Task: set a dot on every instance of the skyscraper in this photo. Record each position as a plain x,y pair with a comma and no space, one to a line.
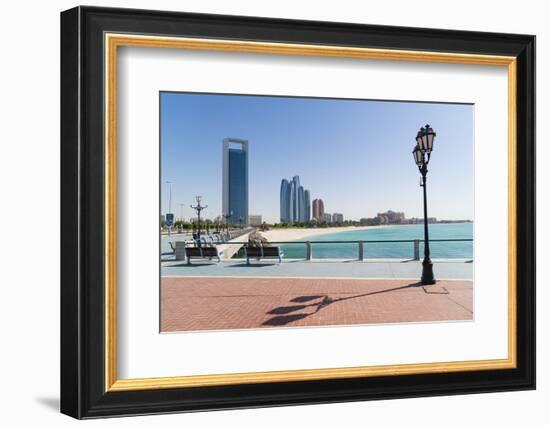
301,205
295,204
235,180
307,199
291,201
318,210
284,200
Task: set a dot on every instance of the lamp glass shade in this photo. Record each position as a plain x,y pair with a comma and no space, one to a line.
418,155
419,139
430,136
425,139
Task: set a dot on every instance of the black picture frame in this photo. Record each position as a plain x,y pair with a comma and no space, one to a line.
83,392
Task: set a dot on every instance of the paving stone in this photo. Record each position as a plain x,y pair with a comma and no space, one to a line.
208,303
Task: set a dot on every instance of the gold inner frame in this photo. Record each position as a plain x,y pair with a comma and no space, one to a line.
113,41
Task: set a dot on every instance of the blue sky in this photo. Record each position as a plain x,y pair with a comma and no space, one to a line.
353,154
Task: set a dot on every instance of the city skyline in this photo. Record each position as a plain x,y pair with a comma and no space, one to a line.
368,155
294,202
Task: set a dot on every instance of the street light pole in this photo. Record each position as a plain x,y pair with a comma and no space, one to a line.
427,265
199,208
422,153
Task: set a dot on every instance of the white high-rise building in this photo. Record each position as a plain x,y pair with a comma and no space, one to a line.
255,220
337,218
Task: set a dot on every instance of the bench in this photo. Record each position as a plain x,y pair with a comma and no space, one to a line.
260,252
203,252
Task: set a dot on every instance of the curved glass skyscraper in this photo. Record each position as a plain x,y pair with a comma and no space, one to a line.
284,198
301,205
307,202
295,203
291,201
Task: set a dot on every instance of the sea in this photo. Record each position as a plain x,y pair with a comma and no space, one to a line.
379,248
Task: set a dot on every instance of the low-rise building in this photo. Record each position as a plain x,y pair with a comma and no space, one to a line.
431,220
391,217
255,220
337,218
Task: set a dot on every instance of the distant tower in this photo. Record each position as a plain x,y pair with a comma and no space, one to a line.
284,200
301,205
307,202
235,180
291,201
296,203
318,210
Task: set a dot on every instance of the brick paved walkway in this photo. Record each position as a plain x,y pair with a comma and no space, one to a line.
207,303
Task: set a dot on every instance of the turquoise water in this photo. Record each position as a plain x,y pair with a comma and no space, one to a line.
389,250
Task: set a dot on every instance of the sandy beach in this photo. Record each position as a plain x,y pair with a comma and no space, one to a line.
293,234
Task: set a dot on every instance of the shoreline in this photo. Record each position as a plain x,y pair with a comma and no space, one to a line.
294,234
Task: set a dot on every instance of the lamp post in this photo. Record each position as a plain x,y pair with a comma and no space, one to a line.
198,208
422,153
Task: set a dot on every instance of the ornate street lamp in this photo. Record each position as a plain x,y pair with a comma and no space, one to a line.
198,208
422,153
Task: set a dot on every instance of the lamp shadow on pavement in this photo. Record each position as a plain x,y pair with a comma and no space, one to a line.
305,298
282,318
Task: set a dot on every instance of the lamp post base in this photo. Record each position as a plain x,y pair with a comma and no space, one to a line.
427,272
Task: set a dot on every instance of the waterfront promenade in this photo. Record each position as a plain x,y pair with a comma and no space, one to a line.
216,303
376,268
232,295
314,291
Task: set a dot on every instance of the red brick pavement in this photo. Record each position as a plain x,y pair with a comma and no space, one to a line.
207,303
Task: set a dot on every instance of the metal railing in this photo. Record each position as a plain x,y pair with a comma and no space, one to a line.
360,245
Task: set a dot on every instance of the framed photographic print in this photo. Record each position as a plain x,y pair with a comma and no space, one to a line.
261,212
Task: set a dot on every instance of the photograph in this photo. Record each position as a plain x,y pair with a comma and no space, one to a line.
283,212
